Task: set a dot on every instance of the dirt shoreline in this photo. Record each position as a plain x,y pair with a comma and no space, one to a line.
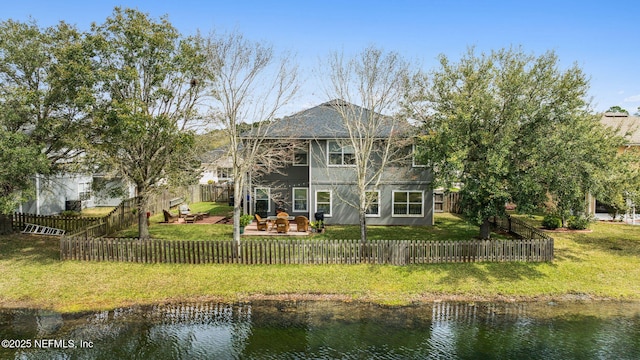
410,301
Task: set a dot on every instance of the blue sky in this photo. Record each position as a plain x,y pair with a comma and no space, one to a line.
601,37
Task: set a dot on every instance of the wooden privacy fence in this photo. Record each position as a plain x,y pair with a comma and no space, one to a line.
215,193
272,251
67,223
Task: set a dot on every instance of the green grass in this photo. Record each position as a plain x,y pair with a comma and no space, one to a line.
446,227
96,211
599,264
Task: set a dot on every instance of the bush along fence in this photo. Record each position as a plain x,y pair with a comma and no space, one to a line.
277,251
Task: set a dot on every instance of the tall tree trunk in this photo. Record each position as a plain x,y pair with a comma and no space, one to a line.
485,229
237,212
363,227
143,225
364,250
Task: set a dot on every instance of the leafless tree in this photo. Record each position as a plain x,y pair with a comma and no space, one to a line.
250,85
370,84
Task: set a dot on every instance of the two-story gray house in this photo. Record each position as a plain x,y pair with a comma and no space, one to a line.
320,176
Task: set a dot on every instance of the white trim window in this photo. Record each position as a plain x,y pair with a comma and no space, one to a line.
300,199
373,198
339,154
324,202
262,198
408,203
224,173
84,190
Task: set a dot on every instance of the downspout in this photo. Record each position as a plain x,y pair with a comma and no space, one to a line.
311,197
37,194
249,198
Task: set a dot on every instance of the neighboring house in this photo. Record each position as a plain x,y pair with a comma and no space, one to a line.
71,192
320,176
216,166
629,127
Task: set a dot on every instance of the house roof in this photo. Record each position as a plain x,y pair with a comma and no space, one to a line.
215,156
324,121
627,125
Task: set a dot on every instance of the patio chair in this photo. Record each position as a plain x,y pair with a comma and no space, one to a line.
303,223
261,223
190,218
168,218
184,210
282,225
283,215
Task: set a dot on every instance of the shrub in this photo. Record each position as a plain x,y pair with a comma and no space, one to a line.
245,220
551,222
578,222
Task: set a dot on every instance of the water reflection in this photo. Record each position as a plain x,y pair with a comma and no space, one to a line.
327,330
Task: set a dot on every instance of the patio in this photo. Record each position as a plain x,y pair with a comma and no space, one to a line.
252,230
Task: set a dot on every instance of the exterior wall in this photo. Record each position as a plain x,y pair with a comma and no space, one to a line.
344,214
53,193
281,187
211,171
340,182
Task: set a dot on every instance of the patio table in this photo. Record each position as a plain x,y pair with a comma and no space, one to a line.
272,220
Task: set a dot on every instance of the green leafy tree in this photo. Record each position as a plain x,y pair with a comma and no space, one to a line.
581,158
499,123
617,109
150,86
46,81
20,162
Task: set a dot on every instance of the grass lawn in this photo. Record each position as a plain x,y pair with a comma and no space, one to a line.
446,227
96,211
599,264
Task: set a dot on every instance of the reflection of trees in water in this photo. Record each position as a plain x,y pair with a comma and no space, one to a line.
183,331
317,329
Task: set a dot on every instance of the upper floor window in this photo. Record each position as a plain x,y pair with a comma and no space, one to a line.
300,158
339,154
225,173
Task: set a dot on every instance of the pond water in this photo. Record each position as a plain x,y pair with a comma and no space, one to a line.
328,330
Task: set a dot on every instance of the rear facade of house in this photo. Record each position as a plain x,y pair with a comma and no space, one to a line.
320,178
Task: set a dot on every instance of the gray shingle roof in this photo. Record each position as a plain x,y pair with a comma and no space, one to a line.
627,125
324,121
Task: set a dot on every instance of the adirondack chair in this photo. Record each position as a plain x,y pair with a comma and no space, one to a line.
303,223
282,225
168,218
261,223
